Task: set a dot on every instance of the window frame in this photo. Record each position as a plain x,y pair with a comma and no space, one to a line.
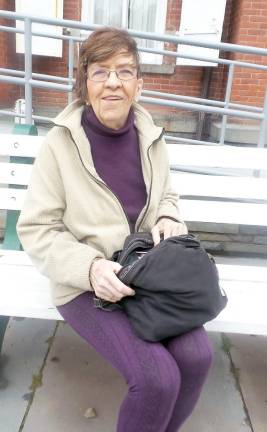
87,15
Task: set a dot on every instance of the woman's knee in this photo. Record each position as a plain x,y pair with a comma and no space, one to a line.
162,383
204,357
193,350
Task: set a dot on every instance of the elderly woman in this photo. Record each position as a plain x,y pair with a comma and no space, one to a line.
101,174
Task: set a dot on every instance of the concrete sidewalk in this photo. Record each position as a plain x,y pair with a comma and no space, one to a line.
50,378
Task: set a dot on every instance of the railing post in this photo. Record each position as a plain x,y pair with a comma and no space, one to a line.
263,130
227,101
70,71
3,325
28,69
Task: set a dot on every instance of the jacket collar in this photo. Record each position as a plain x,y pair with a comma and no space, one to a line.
70,118
145,125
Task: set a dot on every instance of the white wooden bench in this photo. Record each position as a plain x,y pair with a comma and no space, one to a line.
204,197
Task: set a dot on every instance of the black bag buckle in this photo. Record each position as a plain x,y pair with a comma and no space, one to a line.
98,303
105,305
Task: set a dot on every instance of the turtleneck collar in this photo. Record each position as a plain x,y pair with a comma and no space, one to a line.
92,121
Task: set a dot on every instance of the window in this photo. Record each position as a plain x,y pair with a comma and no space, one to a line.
41,45
206,23
140,15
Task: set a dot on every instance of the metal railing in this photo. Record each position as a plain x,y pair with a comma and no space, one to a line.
224,108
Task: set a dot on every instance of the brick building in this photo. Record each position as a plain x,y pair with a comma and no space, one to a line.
244,22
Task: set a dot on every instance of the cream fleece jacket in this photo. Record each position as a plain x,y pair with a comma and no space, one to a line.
70,216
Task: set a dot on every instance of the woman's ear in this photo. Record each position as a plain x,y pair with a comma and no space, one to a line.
139,89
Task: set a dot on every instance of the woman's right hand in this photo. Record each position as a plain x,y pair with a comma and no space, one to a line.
105,283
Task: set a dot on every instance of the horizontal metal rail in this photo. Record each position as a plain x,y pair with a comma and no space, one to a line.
144,92
200,100
222,46
35,117
221,61
36,83
148,50
35,75
203,108
161,102
189,141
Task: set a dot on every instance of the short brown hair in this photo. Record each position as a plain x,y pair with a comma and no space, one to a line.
100,46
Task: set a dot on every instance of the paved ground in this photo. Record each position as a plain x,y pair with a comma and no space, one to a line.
50,377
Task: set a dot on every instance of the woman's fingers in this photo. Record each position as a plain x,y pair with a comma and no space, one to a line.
105,282
156,234
120,287
182,229
167,231
167,228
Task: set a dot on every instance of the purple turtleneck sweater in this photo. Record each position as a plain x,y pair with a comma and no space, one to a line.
117,161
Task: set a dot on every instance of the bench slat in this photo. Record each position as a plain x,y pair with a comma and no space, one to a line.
32,299
227,272
246,308
217,156
192,210
11,199
224,212
14,173
185,184
245,312
20,145
220,186
14,257
179,154
242,273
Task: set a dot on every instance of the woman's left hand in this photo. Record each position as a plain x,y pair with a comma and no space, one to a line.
168,228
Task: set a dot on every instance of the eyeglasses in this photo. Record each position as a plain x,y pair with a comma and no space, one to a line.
102,74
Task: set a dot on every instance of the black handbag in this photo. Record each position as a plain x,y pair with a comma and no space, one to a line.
176,284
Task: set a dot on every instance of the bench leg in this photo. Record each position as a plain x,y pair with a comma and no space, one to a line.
3,325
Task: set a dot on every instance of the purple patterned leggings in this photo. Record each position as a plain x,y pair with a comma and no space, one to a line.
164,379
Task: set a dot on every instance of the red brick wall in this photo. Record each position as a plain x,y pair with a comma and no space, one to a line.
249,27
8,93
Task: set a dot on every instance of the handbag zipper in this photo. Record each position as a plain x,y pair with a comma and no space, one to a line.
124,272
136,242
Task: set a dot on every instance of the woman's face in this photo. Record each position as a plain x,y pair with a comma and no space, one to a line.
111,100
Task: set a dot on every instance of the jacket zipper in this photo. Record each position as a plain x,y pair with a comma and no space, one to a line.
96,180
150,188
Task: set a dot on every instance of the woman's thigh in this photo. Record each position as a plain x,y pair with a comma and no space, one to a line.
111,336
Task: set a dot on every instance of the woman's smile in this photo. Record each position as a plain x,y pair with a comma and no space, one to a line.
112,99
